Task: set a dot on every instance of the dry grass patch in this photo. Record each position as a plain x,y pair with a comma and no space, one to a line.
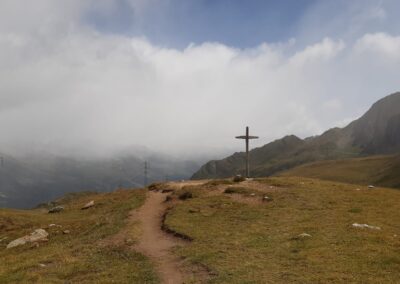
260,244
78,256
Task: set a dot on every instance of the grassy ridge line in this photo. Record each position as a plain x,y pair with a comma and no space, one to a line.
78,256
244,243
377,170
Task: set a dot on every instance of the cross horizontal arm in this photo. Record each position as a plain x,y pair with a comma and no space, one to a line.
246,137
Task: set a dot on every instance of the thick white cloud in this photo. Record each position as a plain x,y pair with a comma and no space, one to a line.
65,85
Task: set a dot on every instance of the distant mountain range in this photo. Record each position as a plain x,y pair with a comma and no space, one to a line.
28,180
376,132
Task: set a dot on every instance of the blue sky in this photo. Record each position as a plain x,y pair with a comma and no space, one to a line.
243,24
178,23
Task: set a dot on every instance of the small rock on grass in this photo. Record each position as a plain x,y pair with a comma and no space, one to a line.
304,235
54,225
56,209
88,205
66,232
363,226
266,198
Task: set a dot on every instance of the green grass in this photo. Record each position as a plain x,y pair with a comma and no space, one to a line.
377,170
244,243
77,257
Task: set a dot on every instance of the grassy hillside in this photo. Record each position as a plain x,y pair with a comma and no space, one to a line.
77,257
377,170
301,233
243,240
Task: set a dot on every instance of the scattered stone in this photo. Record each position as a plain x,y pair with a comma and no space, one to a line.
88,205
371,186
42,265
56,209
66,232
356,225
304,235
54,225
36,236
271,187
252,194
266,198
129,242
239,178
358,189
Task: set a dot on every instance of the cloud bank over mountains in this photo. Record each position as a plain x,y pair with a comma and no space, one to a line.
68,86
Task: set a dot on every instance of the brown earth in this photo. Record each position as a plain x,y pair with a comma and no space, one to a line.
157,244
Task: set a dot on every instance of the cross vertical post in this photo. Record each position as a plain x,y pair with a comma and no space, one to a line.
145,173
247,137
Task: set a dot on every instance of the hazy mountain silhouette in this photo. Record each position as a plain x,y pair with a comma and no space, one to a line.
31,179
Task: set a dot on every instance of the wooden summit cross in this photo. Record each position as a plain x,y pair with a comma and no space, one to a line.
247,137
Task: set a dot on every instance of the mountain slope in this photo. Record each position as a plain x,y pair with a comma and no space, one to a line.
376,170
376,132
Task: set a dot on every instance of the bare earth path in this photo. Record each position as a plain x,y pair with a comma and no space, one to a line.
155,243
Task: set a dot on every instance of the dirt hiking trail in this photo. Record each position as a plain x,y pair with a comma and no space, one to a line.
157,244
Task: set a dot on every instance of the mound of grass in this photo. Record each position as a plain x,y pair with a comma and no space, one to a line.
217,182
185,195
241,243
77,257
240,190
377,170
